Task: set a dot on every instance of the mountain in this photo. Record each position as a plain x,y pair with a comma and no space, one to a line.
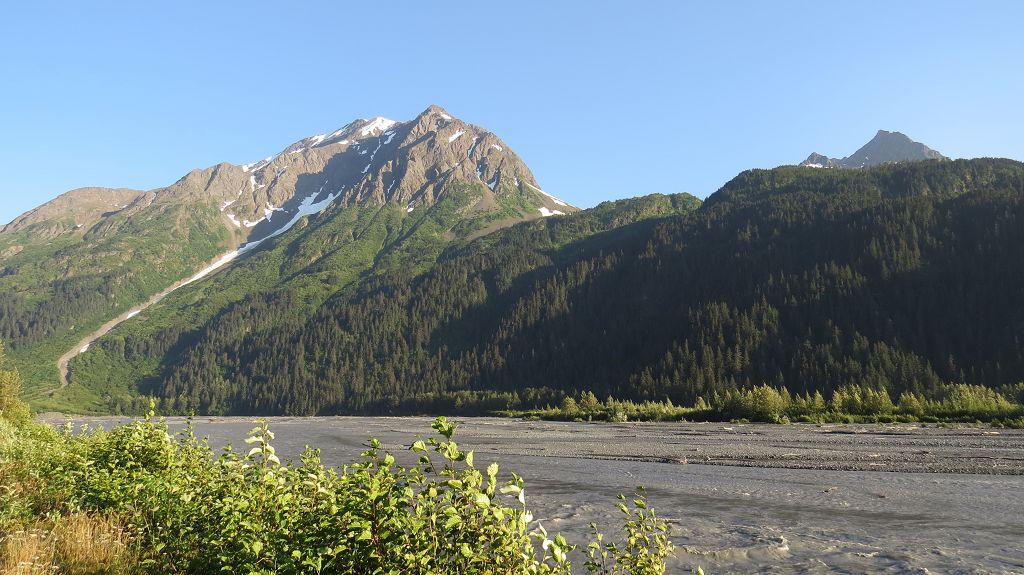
884,148
408,267
381,193
236,361
804,279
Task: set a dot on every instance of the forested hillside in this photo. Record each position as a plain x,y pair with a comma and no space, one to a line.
898,277
60,280
172,340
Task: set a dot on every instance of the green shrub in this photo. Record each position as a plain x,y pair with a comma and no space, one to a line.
252,513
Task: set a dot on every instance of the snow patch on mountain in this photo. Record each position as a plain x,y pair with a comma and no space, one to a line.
377,124
553,198
268,211
548,213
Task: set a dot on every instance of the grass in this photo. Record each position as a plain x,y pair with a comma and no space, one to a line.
76,544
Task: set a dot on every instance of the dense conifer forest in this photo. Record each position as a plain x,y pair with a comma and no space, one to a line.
898,278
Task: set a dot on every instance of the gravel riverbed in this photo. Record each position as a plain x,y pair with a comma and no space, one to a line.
741,498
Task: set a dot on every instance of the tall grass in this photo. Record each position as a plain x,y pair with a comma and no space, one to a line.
76,544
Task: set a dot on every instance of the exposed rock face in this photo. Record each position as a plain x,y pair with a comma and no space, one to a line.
383,161
816,160
885,147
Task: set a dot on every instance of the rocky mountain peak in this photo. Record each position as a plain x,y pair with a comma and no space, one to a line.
816,160
376,160
884,148
412,163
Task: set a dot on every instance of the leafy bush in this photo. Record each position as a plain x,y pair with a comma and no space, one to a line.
192,512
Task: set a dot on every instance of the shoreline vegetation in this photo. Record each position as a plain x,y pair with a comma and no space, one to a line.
960,403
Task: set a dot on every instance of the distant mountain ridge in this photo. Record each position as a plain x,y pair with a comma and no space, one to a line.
884,148
376,159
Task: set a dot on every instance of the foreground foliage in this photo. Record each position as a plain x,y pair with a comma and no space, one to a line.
164,503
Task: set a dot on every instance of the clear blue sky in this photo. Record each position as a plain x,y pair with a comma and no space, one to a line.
602,100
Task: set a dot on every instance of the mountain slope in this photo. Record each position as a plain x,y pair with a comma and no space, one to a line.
62,276
884,148
94,254
252,334
808,279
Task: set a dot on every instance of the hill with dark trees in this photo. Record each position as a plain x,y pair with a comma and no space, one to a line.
899,277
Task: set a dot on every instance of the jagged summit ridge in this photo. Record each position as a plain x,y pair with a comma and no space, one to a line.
378,160
884,148
375,160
